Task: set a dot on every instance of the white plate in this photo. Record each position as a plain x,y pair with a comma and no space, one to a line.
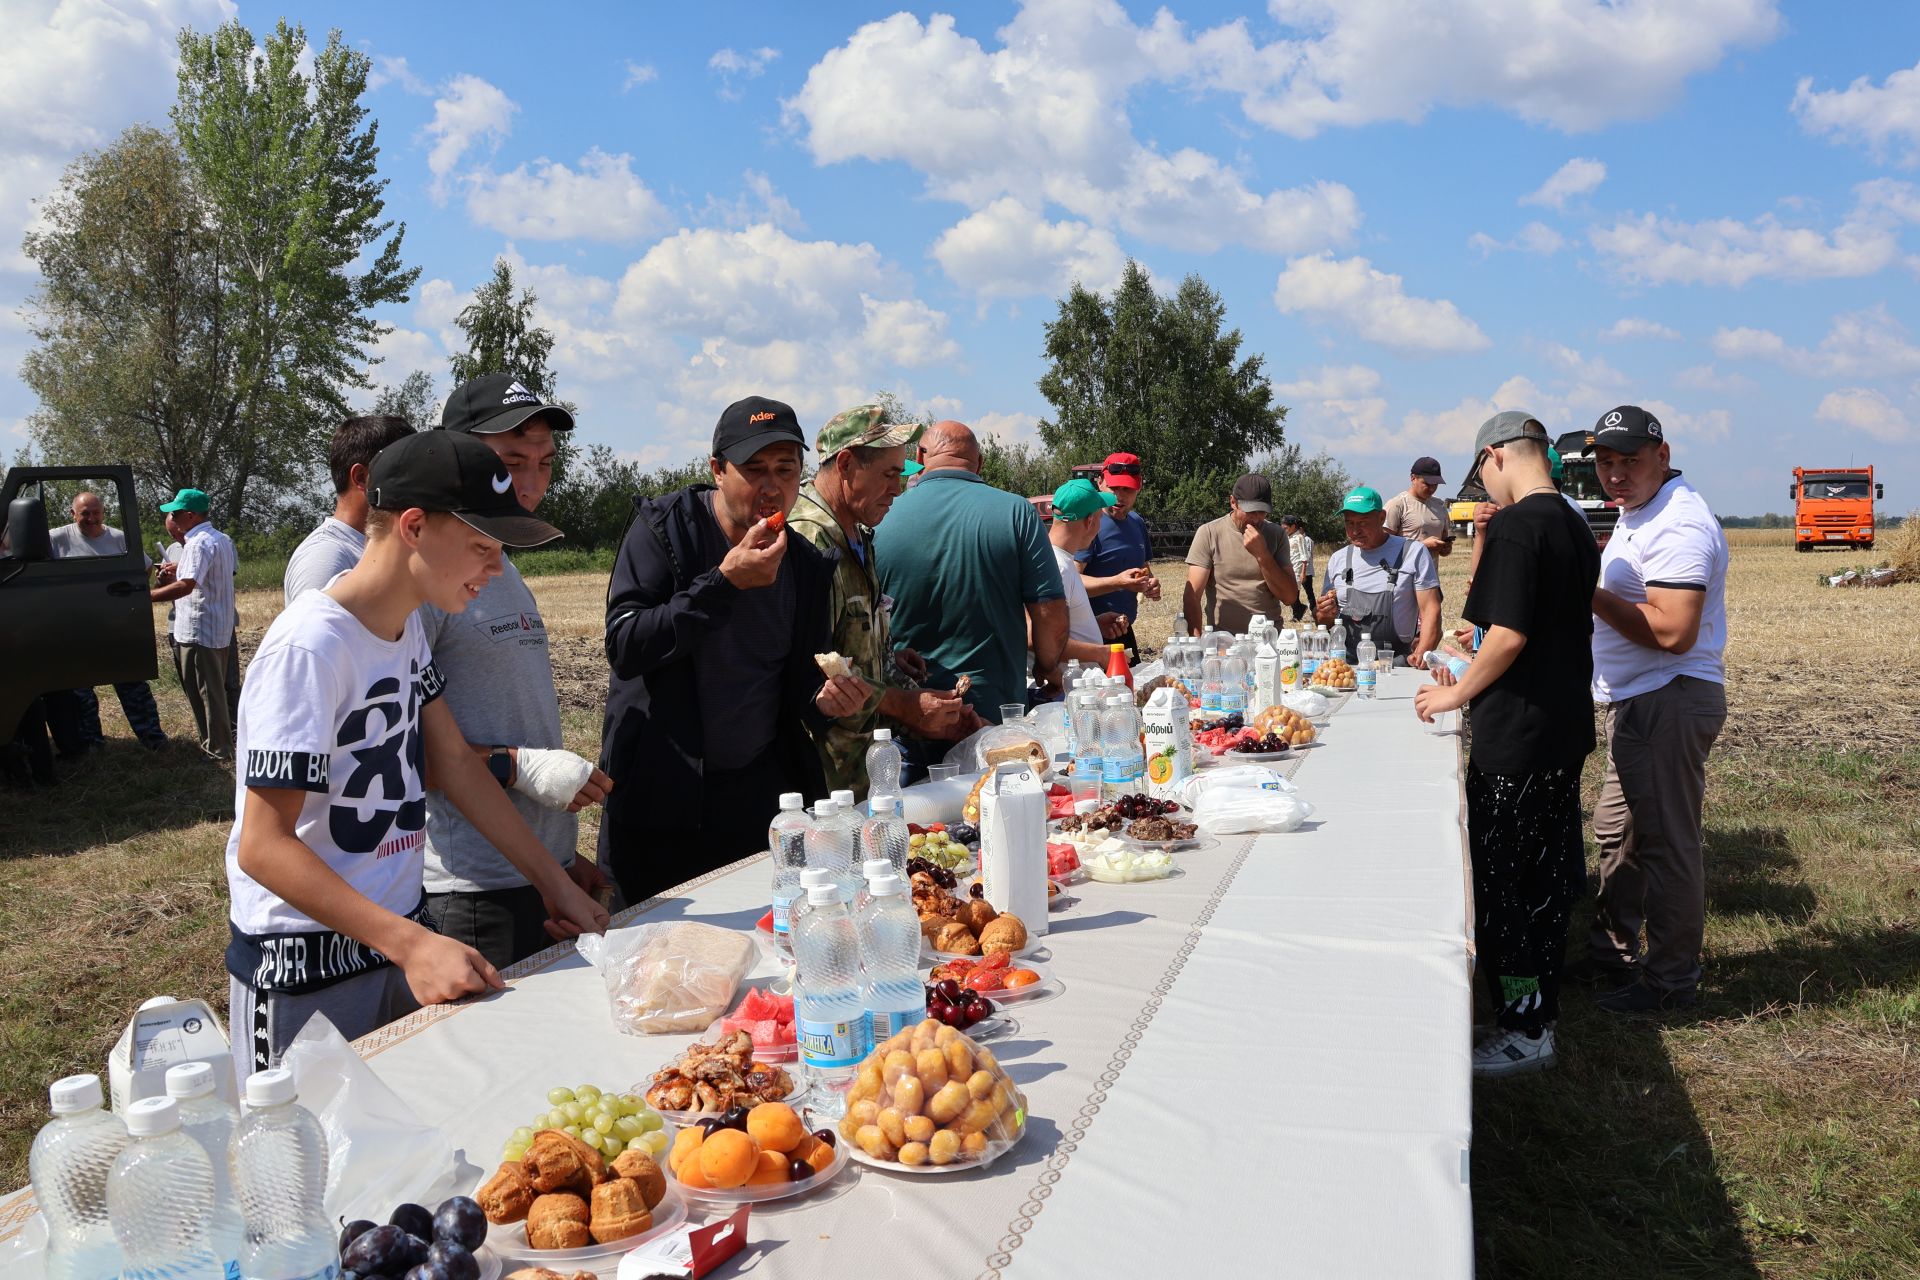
733,1197
994,1151
1004,996
1253,757
510,1241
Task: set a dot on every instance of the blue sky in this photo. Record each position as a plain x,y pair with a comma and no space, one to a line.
1419,213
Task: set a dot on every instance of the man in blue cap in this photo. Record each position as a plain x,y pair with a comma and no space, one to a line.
202,586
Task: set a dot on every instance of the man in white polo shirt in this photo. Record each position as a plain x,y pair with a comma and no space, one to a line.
1659,639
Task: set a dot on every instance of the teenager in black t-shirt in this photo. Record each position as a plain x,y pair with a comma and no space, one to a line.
1530,689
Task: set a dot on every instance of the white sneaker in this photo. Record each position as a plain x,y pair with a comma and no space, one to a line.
1513,1053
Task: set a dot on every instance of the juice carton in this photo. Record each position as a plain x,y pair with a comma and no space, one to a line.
1169,742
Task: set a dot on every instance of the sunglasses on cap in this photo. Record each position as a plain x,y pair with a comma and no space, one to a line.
1124,469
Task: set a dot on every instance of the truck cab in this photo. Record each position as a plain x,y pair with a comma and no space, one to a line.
1833,507
70,623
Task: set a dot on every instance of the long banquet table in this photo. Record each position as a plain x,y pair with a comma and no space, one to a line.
1260,1066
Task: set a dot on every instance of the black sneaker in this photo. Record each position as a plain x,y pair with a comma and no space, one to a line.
1589,971
1640,996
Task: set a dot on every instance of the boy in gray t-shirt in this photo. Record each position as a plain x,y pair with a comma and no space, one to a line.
508,710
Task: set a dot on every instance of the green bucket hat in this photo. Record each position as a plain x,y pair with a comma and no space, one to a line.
1078,499
1363,501
188,500
863,426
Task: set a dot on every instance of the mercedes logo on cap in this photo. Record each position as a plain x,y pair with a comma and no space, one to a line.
1613,419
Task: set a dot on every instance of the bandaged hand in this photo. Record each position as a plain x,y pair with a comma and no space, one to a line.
551,776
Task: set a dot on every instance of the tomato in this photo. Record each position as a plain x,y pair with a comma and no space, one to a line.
996,960
1018,978
777,521
936,826
983,980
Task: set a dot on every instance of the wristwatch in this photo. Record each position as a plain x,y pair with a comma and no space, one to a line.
500,765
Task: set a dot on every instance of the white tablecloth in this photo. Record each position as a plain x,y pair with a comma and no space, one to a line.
1257,1067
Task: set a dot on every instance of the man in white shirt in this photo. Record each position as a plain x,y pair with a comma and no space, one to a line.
1078,507
91,535
1659,639
202,588
337,542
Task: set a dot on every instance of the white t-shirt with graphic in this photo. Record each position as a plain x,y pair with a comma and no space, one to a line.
332,710
1673,541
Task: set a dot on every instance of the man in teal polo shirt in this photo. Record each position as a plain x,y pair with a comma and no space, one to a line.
967,568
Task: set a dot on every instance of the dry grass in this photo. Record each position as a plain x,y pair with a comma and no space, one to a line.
1774,1130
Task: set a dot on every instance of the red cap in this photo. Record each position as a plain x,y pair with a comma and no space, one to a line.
1122,479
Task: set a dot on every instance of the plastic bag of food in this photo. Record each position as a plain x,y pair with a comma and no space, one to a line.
1255,776
1308,703
928,1099
1234,810
676,976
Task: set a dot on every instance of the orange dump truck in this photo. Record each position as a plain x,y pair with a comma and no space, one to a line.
1833,507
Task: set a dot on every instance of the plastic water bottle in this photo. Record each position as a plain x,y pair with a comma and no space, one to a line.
68,1165
1210,681
870,871
160,1196
808,878
883,769
280,1178
1337,641
1121,759
1451,661
1087,767
890,951
830,847
883,837
787,847
1366,678
829,1006
1233,682
209,1120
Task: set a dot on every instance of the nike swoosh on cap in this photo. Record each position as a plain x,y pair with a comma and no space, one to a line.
503,484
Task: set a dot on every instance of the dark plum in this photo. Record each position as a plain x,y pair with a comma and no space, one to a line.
413,1219
428,1271
415,1250
353,1231
461,1222
379,1252
454,1259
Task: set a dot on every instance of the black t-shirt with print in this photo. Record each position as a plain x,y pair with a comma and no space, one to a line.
1536,576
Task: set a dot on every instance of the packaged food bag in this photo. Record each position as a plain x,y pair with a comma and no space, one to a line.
928,1098
672,976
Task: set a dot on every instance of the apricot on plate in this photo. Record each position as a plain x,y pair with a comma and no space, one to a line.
685,1142
690,1174
820,1157
769,1170
775,1127
727,1158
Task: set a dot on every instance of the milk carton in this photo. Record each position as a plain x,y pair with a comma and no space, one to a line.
1266,677
1013,844
1169,742
166,1032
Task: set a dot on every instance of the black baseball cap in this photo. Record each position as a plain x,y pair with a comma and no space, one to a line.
1627,429
1428,468
1253,493
452,472
748,426
495,402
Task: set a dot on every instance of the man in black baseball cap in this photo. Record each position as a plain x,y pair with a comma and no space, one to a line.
1238,565
714,617
1417,513
501,690
342,720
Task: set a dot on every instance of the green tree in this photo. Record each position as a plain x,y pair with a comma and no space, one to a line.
132,353
412,398
1156,376
1022,468
501,335
286,165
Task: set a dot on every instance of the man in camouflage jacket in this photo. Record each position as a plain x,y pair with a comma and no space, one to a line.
861,457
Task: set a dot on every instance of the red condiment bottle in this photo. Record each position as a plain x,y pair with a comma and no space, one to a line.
1117,663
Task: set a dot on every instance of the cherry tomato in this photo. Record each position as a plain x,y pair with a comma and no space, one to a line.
1018,978
777,521
936,826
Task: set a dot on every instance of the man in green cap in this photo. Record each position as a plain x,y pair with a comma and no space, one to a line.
1381,583
202,586
862,460
1078,506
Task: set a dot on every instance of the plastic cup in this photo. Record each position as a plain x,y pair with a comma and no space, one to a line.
1010,712
942,772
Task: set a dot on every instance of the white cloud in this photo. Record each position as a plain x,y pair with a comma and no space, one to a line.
908,331
1043,120
1885,117
1332,382
1372,303
601,200
1009,250
732,65
1535,237
1704,377
1859,344
1632,328
1868,411
1007,428
1576,177
1726,251
638,74
1572,64
390,70
469,111
758,202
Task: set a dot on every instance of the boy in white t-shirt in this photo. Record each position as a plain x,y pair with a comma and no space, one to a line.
1078,508
339,727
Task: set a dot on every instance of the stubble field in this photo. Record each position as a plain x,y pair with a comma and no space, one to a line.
1773,1130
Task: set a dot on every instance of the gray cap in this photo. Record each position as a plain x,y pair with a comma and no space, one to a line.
1509,425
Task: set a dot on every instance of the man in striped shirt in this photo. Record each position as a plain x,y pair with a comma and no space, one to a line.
202,589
